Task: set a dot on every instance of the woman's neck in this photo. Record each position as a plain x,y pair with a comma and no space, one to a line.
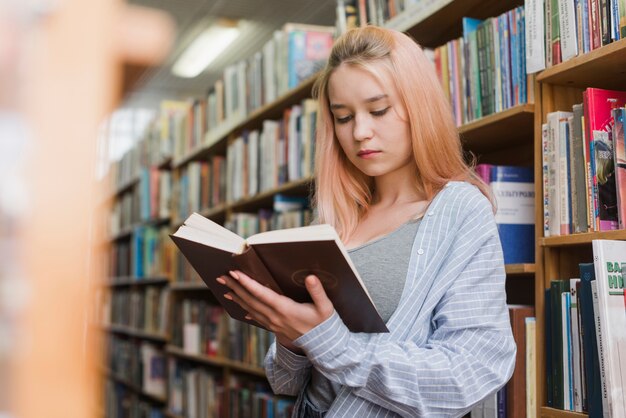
391,190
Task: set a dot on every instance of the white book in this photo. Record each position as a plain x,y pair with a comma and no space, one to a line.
531,367
604,377
253,163
269,71
568,398
567,27
545,170
535,38
294,144
608,257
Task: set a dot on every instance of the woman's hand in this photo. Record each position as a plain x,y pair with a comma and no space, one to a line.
281,315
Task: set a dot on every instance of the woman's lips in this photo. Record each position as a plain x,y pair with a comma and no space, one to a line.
367,153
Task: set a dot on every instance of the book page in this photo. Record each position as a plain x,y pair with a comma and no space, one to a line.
201,230
322,232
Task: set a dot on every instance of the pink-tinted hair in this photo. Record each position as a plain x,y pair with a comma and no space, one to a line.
343,193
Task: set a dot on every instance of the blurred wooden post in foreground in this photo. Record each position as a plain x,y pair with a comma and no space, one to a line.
74,52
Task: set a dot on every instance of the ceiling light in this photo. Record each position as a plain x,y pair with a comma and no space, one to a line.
204,49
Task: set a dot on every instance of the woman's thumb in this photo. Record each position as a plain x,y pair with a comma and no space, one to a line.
318,294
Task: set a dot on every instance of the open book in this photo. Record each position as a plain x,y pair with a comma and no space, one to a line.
281,260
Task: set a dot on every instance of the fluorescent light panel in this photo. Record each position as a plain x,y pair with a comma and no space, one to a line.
204,49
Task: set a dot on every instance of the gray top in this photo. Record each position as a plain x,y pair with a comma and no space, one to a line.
383,264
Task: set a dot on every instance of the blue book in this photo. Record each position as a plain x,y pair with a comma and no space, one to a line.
514,190
470,25
590,347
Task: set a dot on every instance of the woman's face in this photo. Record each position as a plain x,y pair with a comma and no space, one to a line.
370,121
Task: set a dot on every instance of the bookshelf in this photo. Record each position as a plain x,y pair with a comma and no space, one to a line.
504,138
558,88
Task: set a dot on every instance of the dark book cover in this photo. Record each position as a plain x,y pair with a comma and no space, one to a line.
283,266
557,287
590,346
548,345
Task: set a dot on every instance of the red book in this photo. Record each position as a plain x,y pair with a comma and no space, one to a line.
598,104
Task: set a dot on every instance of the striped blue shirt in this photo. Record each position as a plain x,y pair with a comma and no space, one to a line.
450,343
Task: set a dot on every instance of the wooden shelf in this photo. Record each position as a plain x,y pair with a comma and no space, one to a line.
170,414
127,232
124,233
256,202
132,332
500,130
435,22
214,141
546,412
216,361
182,286
266,199
602,68
519,269
134,388
136,281
581,239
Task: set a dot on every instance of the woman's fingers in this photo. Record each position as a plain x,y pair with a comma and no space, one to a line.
261,293
242,296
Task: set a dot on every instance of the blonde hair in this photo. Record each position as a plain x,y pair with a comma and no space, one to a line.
343,193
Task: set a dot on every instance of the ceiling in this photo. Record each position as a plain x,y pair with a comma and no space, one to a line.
262,17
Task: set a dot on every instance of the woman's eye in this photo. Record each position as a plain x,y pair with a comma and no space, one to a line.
380,112
345,119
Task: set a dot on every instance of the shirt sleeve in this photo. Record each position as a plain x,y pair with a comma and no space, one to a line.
286,371
470,352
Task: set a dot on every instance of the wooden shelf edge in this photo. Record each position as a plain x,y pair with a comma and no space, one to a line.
121,329
580,239
546,412
188,286
136,281
268,193
133,387
527,108
519,269
215,361
207,213
597,54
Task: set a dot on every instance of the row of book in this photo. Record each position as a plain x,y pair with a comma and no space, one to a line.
282,151
121,402
155,193
143,309
152,252
287,212
195,391
292,55
584,165
139,363
203,328
585,330
484,71
562,29
517,398
355,13
125,170
125,212
200,185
